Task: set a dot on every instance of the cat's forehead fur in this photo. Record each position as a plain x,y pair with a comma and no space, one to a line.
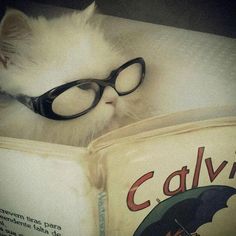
57,51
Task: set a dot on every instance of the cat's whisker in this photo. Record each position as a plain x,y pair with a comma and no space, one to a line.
137,113
132,115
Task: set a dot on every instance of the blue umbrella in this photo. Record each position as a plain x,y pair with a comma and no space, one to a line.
185,211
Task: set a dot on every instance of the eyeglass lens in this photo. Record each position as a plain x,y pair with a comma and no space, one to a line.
75,99
129,78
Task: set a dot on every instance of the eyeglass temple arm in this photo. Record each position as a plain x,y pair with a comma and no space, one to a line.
27,101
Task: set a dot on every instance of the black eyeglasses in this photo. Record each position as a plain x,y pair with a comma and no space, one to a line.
76,98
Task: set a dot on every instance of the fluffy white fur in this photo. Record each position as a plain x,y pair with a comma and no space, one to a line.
40,54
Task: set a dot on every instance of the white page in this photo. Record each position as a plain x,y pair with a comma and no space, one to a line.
47,183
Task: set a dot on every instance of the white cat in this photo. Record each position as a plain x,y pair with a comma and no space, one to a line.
185,70
38,55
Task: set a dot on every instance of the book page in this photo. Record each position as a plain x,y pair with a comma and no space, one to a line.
45,190
173,181
157,122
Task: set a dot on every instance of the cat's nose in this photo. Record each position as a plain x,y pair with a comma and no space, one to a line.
110,96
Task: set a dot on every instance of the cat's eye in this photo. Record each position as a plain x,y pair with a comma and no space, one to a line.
76,98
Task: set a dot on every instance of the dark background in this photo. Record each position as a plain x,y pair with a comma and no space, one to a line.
212,16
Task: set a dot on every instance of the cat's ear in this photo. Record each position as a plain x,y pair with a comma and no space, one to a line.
89,11
14,28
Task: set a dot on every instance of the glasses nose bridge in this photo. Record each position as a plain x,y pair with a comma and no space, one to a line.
109,81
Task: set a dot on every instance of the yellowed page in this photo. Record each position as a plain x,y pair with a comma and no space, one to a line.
147,176
45,190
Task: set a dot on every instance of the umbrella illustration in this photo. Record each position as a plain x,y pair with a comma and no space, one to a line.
183,213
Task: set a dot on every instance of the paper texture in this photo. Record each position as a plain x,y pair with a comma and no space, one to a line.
45,190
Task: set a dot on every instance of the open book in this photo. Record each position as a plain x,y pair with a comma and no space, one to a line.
169,175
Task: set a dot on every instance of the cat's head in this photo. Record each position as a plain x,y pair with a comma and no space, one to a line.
37,55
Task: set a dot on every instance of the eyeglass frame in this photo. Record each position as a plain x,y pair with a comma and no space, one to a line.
42,104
